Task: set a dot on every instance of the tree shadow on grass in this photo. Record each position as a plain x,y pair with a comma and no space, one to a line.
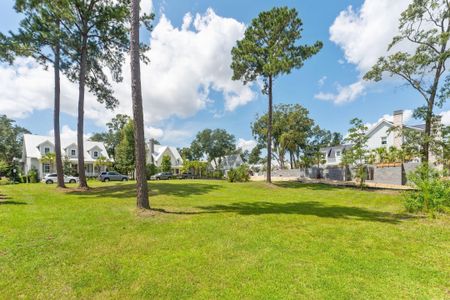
4,200
311,186
310,208
159,188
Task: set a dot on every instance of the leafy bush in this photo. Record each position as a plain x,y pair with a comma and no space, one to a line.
432,192
33,176
241,174
151,169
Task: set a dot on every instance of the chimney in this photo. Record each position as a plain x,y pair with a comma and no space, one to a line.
151,146
398,124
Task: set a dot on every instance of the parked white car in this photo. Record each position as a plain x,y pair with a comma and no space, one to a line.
52,178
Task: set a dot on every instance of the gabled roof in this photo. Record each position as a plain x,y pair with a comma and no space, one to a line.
159,151
31,143
229,161
420,127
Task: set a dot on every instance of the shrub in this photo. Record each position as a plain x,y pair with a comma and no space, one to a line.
432,192
33,176
151,169
240,174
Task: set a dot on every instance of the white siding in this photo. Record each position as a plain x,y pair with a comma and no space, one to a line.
376,136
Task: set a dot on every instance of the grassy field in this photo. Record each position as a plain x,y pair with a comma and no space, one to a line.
214,240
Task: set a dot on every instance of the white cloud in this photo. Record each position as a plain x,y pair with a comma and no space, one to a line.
68,133
344,93
187,64
446,117
146,7
364,36
246,144
322,80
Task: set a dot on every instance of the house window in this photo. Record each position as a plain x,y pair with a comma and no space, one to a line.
46,168
73,152
338,153
95,154
384,140
46,150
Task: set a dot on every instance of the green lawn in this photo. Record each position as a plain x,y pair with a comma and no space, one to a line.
214,240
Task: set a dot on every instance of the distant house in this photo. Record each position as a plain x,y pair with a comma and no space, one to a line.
378,136
227,163
36,146
155,154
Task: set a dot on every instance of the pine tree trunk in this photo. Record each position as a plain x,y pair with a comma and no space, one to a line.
56,125
269,136
136,95
80,125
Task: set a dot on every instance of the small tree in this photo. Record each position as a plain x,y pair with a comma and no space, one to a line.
166,164
268,50
102,161
125,155
49,158
357,155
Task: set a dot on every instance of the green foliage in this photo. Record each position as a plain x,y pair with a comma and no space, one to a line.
213,144
102,161
151,169
255,156
125,156
112,137
166,164
11,139
198,168
48,158
33,175
240,174
357,156
269,47
432,194
425,24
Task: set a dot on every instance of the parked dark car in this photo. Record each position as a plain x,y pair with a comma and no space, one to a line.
186,175
112,176
162,176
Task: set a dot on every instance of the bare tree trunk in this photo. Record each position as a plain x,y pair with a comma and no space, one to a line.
269,136
56,125
80,125
139,138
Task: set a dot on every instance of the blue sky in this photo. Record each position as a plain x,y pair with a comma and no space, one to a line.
329,75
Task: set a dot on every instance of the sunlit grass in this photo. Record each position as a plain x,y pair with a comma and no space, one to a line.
213,240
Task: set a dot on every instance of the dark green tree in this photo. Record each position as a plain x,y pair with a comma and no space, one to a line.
125,152
111,138
39,36
291,128
97,38
214,144
255,155
426,25
11,139
166,164
268,50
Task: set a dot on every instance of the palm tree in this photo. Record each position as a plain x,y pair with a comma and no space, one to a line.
139,139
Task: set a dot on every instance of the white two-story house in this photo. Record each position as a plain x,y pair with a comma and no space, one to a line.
36,146
378,136
155,154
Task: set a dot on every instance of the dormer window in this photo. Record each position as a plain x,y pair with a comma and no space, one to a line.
46,150
73,152
95,154
384,140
